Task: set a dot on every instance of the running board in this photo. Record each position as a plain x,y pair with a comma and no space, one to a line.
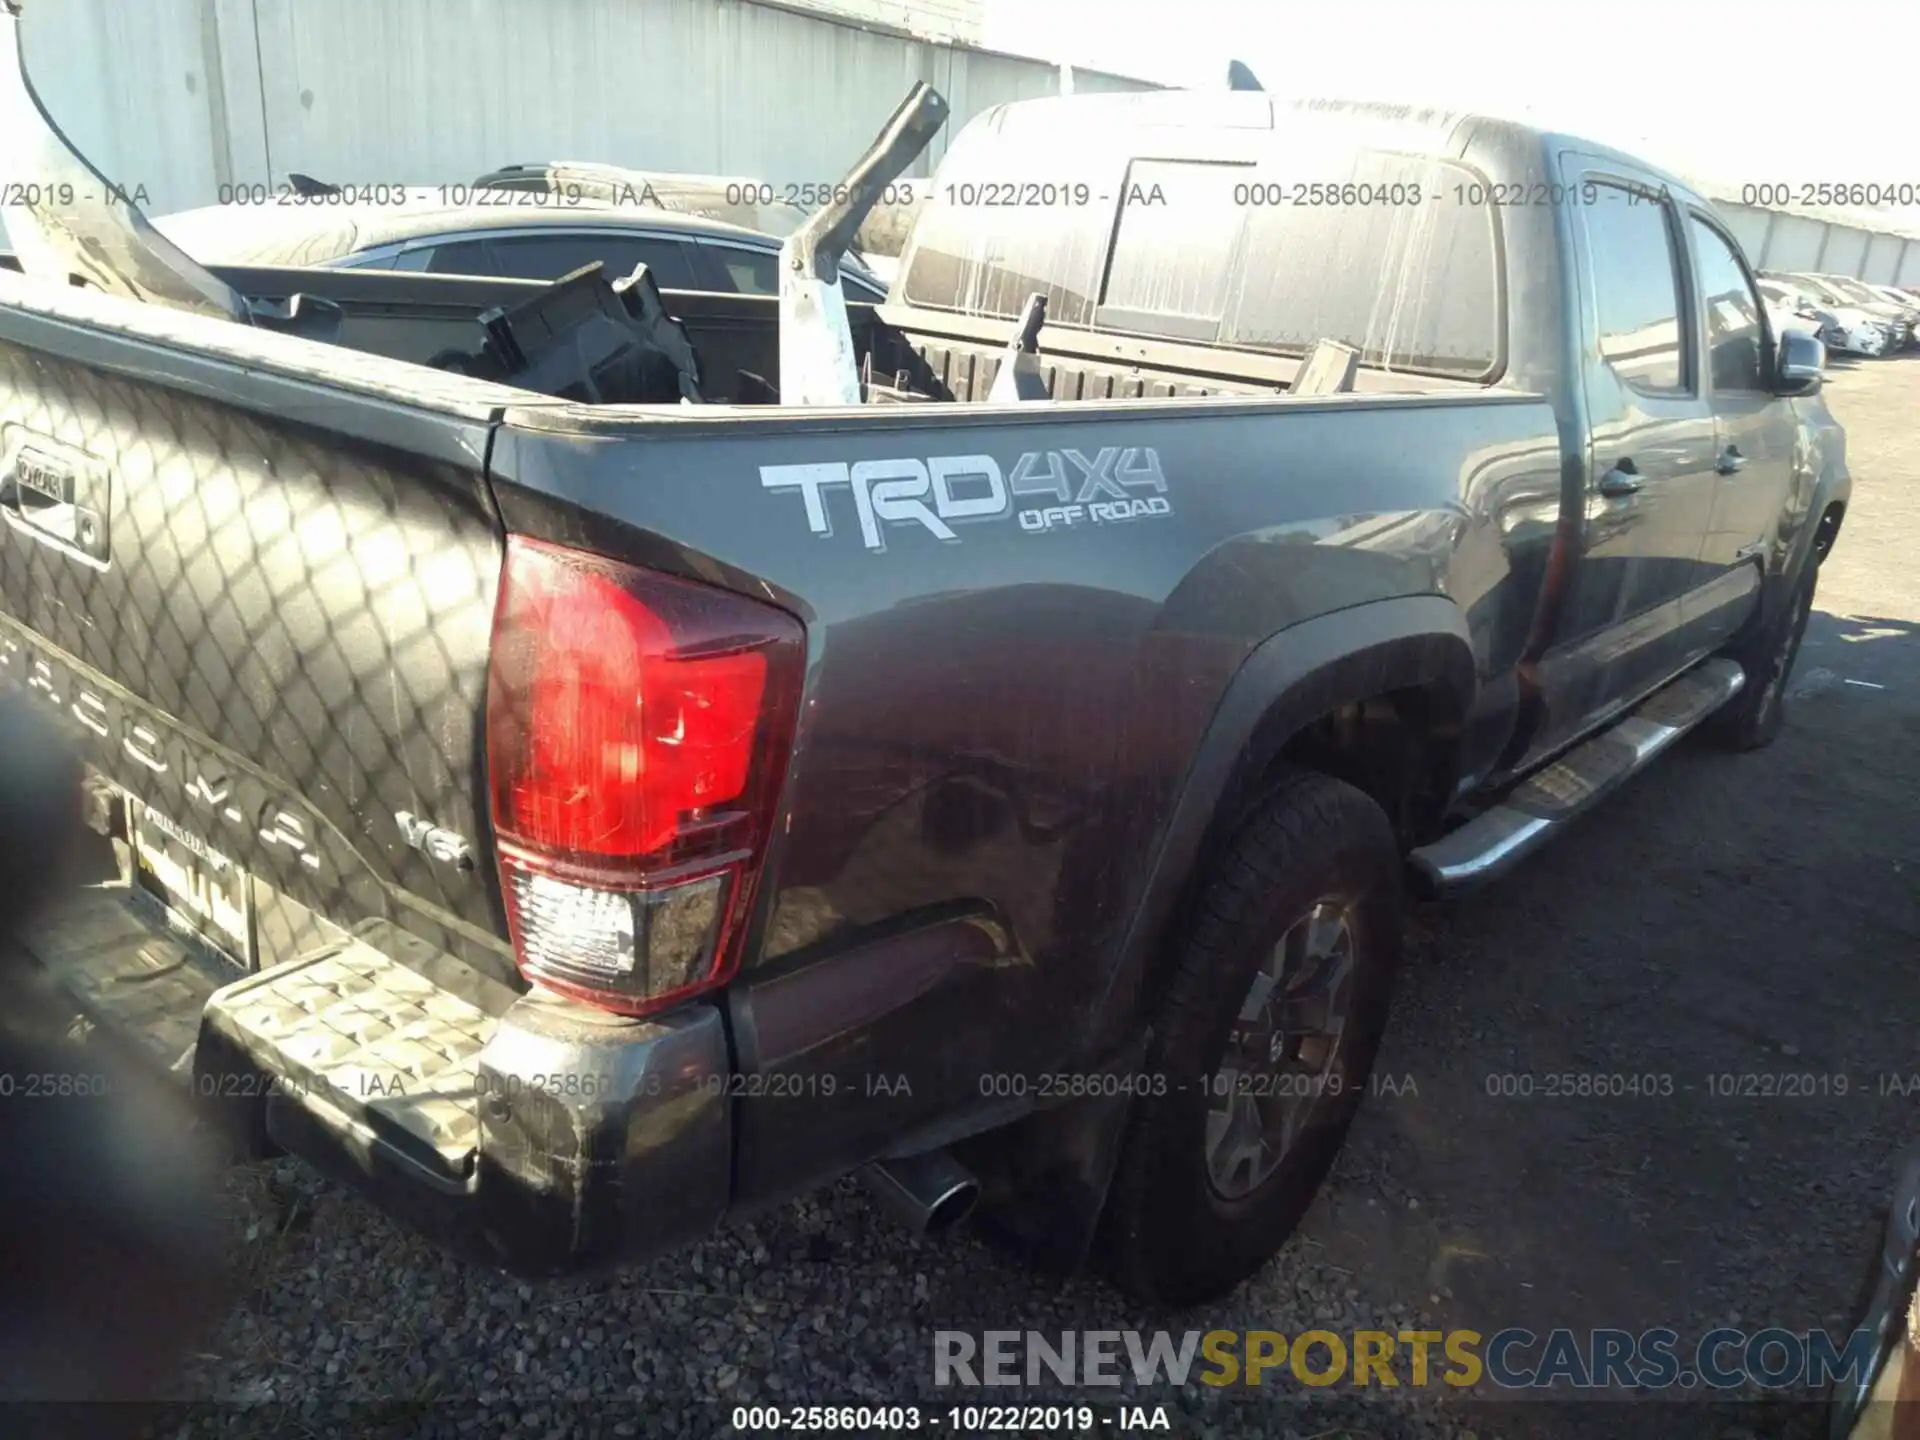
1500,836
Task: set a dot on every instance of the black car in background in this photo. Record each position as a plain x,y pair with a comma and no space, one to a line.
509,234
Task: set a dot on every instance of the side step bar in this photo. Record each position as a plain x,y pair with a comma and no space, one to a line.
1500,836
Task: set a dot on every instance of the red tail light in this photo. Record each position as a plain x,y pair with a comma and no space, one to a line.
638,728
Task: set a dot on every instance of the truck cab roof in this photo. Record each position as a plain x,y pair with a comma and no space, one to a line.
1261,120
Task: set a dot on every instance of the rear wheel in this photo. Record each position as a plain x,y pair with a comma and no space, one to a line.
1266,1036
1752,719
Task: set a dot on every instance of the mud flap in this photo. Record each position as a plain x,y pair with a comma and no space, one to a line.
1044,1178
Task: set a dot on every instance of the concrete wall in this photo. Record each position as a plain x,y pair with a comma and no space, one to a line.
1776,240
128,81
1884,254
182,97
177,98
1749,227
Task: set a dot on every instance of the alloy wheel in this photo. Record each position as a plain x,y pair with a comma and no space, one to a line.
1282,1053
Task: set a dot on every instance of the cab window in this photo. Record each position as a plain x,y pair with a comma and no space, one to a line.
1392,254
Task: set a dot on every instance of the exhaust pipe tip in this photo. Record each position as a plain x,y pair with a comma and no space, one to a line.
929,1194
952,1206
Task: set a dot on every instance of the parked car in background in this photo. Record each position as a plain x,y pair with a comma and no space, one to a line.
1905,300
773,208
1845,290
1904,311
470,230
1783,313
1843,328
735,200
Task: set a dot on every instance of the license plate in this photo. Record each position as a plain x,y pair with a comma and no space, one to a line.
207,893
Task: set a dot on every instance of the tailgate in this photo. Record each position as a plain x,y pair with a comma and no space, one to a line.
257,574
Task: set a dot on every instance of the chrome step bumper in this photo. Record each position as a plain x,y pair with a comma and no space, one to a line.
548,1138
367,1044
1499,837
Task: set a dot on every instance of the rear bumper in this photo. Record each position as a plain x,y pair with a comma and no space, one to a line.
547,1139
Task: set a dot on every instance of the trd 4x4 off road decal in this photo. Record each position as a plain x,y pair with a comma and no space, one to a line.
1117,483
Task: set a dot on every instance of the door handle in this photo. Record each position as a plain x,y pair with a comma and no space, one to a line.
1730,460
1623,479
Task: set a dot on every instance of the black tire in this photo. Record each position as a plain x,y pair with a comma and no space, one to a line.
1845,1403
1169,1235
1753,718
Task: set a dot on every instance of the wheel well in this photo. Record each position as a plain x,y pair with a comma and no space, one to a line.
1397,748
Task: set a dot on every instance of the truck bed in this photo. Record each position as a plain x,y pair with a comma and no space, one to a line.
940,358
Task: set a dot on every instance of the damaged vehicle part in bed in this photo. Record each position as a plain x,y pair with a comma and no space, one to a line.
576,823
817,362
66,220
69,224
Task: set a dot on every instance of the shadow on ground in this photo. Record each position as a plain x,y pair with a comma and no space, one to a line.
1662,1071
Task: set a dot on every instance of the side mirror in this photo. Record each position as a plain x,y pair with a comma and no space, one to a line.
1799,360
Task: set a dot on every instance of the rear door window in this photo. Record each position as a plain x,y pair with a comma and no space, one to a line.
730,269
1636,285
548,257
743,272
1393,254
460,257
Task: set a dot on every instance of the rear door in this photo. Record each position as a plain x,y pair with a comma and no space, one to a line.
1650,475
1755,433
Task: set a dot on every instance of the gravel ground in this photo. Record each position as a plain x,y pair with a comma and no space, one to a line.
1723,915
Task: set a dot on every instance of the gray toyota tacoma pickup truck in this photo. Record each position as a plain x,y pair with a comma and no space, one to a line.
587,763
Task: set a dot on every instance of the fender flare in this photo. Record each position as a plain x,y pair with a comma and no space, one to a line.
1290,679
1833,486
